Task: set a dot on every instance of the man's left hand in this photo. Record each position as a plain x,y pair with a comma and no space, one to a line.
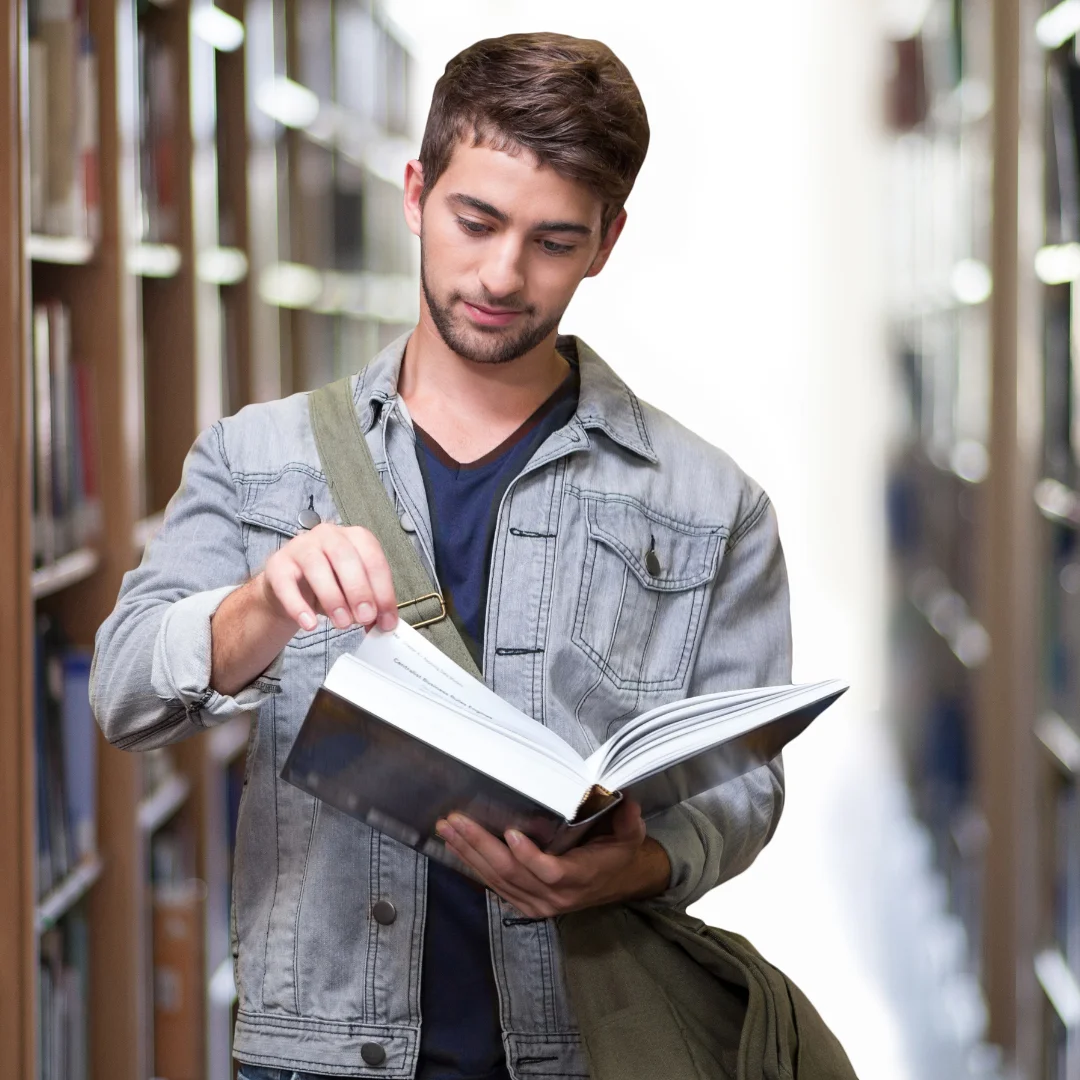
627,865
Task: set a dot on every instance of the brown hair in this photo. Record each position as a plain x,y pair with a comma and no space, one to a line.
570,101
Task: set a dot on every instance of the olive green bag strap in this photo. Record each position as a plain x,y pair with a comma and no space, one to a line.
361,499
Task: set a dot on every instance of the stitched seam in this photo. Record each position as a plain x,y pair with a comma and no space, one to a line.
589,494
750,521
262,479
547,589
373,882
219,435
300,907
277,847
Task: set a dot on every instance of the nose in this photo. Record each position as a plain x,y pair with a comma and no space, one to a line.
501,273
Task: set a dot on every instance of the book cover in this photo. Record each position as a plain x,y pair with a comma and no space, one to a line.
399,736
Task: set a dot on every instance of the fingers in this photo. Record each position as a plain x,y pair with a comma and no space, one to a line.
380,580
491,860
281,583
344,570
627,824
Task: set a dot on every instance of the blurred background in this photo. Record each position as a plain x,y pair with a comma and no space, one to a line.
849,262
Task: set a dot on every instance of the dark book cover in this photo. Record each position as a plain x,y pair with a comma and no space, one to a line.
400,785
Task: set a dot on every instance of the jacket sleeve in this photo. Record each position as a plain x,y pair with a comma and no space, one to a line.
150,678
746,641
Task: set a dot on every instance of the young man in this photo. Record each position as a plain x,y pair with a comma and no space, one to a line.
599,558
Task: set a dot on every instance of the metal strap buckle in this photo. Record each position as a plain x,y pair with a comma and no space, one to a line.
419,600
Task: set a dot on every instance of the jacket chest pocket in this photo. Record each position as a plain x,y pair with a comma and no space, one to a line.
644,585
270,518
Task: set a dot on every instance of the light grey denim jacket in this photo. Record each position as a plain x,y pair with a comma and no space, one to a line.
579,635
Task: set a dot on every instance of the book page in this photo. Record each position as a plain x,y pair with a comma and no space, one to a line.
407,657
487,747
696,725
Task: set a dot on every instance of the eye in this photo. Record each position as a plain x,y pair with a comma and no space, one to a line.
552,247
474,227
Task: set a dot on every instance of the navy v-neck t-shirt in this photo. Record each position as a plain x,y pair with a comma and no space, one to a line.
460,1033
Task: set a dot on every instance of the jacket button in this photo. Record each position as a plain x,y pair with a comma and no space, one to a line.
372,1053
652,562
309,517
385,913
407,522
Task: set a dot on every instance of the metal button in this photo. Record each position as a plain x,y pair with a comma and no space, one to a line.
308,518
407,522
384,912
652,562
372,1053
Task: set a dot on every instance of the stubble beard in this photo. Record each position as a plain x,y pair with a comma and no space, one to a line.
496,345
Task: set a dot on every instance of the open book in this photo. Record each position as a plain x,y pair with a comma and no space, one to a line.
399,736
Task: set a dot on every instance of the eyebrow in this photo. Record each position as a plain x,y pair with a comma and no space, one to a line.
544,226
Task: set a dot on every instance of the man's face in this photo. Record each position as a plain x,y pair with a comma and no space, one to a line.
504,244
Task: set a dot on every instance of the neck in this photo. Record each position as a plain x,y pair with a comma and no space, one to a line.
435,381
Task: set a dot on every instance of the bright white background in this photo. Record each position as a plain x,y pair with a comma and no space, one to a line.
744,299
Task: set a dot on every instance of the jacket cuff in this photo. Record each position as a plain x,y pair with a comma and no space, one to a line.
674,830
182,658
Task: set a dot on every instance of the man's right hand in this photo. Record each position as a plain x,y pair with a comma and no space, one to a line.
333,570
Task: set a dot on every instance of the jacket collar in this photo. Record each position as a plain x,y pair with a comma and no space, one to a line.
605,402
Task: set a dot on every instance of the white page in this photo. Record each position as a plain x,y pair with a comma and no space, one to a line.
642,729
404,655
701,733
489,749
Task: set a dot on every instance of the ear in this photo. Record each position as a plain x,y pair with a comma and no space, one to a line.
613,233
414,190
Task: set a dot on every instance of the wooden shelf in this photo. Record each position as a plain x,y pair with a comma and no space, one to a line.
1058,503
67,570
947,613
62,250
1060,741
162,803
229,740
1060,986
145,529
154,260
59,901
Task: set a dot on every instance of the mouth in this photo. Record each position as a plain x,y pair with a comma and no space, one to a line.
485,316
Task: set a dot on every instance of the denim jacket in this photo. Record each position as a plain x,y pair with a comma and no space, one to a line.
581,634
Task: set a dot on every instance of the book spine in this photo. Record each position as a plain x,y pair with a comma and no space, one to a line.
61,38
80,742
60,389
44,539
38,79
89,191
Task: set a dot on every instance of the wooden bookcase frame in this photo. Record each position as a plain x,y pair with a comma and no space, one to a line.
154,336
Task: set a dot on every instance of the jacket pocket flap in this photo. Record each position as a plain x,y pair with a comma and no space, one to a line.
664,554
277,502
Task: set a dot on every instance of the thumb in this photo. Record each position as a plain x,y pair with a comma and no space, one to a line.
627,825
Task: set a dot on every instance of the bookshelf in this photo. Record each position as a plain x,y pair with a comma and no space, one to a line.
1005,733
144,303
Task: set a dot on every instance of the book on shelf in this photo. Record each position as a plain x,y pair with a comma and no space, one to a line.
66,741
62,1001
63,107
158,118
399,736
177,899
66,479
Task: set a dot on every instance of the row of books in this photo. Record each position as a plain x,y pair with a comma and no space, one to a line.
66,480
940,350
177,939
158,119
62,1001
66,740
350,57
63,107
